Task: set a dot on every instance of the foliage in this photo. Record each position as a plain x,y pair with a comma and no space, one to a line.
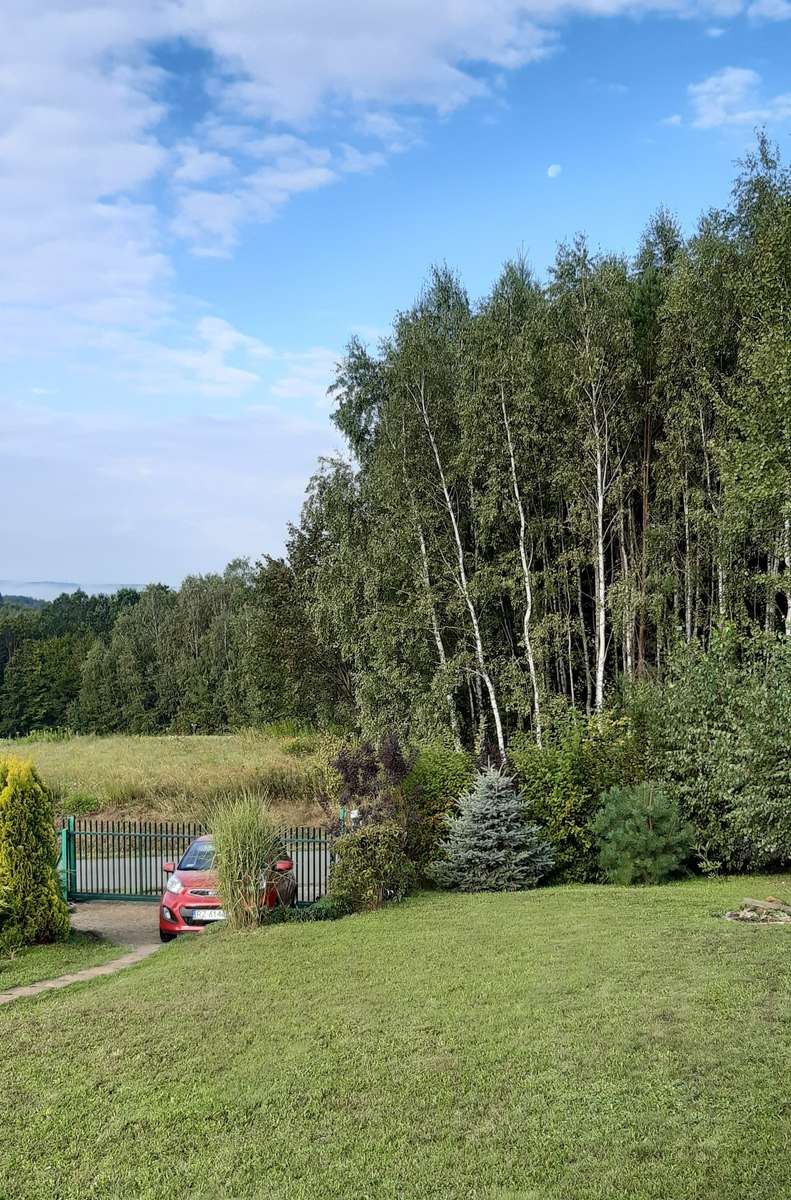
247,844
642,837
370,868
431,791
323,909
563,781
491,845
723,740
370,783
31,907
41,683
551,497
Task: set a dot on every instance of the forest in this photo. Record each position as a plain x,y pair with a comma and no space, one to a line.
570,497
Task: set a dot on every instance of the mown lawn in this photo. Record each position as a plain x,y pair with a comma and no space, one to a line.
47,962
593,1043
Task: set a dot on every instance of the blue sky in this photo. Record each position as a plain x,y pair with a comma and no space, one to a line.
202,199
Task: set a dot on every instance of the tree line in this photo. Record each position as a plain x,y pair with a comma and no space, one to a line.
546,497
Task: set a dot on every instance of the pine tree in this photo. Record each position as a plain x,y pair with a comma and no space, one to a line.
491,845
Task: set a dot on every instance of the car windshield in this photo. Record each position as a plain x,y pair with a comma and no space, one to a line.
199,857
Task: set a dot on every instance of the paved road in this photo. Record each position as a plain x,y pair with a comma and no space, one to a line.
145,875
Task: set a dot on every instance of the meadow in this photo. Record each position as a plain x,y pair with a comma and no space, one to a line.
593,1041
176,777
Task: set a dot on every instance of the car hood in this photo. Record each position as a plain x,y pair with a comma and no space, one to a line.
198,879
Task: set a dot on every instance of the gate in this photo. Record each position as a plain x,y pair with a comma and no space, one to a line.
123,860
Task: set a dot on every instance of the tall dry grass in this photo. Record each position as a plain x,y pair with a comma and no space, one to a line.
178,777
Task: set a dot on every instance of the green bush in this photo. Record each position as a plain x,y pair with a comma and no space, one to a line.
723,741
562,783
323,909
370,868
431,792
31,906
491,846
247,844
642,837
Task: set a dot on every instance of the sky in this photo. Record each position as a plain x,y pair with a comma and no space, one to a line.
201,200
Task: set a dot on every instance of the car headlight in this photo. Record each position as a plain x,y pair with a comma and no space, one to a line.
175,886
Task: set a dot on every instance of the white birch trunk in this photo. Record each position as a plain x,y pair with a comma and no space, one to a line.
600,596
531,663
787,560
441,655
461,578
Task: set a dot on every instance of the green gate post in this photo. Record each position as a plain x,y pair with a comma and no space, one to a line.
63,843
71,860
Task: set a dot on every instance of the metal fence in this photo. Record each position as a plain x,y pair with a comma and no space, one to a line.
124,860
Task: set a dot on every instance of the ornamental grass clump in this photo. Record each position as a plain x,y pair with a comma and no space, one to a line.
492,846
247,844
32,908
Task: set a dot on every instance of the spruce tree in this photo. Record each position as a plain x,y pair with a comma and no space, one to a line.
491,845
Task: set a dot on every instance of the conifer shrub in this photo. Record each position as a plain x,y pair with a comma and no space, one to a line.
641,834
492,845
31,906
370,868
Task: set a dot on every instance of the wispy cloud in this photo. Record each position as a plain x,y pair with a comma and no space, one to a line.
554,170
770,10
733,96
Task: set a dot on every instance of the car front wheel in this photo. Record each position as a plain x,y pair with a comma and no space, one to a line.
166,937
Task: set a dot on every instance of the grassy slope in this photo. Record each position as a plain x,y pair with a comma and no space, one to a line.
47,962
170,776
582,1042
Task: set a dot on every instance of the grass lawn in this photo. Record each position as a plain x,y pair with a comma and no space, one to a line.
171,776
47,962
592,1043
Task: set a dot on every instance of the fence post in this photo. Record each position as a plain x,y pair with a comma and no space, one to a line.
62,858
71,859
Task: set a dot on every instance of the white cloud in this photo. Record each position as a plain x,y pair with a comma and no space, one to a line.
554,170
199,166
307,376
86,127
770,10
732,96
715,31
160,496
673,119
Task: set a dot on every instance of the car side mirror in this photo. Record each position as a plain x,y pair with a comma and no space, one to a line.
169,868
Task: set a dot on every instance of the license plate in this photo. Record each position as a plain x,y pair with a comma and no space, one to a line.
210,914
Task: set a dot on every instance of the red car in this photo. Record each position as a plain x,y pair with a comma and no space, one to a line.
190,900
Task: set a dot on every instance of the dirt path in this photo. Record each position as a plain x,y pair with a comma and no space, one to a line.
130,924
